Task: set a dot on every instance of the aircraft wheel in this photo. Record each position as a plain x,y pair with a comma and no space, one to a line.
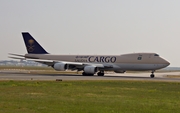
152,75
100,74
85,74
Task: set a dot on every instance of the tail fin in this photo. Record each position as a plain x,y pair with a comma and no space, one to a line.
32,46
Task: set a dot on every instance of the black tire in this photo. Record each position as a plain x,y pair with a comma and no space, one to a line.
90,74
85,74
152,75
100,74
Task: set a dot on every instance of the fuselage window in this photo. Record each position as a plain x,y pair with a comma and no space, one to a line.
139,58
156,55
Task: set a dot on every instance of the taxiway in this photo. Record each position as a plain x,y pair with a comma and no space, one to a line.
11,75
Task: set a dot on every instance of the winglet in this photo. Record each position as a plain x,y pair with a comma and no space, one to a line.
32,46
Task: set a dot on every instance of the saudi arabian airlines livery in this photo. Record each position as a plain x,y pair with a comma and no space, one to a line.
92,64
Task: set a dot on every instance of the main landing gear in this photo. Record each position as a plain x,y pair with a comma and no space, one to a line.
85,74
101,73
152,74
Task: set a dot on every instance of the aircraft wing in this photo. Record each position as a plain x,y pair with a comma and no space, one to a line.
52,62
74,65
71,65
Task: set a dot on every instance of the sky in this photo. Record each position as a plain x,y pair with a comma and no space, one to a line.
92,27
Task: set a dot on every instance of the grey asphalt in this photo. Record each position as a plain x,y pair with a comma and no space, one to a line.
6,75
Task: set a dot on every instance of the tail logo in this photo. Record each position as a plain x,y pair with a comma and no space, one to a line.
31,46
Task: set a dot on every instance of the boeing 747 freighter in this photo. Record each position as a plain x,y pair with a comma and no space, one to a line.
92,64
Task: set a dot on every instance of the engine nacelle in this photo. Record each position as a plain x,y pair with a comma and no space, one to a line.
90,69
119,71
60,66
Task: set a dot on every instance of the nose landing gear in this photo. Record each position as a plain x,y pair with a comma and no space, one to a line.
152,74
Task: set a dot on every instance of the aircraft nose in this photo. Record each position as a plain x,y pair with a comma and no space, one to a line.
167,63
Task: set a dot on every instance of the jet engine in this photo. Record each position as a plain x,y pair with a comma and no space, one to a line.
60,66
90,69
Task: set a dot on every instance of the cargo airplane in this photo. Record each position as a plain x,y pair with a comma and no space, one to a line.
92,64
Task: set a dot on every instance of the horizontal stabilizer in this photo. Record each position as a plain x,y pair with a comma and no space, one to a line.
16,55
17,58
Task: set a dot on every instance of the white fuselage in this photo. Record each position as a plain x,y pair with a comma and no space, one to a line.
133,61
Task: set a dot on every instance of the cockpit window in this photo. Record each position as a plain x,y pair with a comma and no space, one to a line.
156,55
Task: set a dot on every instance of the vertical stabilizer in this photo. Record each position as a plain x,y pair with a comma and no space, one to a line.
32,46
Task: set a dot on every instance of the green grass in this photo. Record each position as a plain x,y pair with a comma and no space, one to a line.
89,97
